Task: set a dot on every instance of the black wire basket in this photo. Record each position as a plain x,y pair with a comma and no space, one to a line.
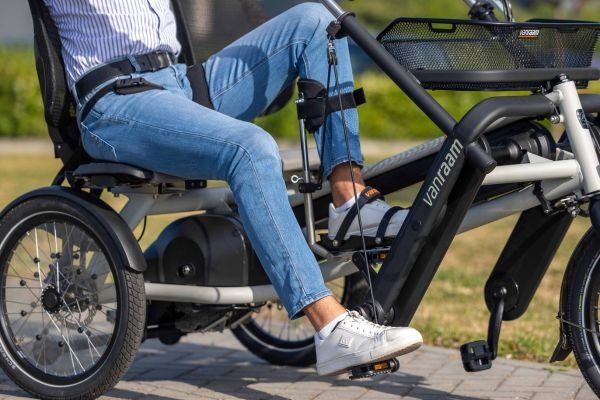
469,55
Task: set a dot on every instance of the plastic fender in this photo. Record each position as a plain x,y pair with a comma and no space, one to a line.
129,253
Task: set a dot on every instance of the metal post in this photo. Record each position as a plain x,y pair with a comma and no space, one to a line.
333,8
309,216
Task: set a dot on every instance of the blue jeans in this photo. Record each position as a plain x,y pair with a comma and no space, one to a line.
165,131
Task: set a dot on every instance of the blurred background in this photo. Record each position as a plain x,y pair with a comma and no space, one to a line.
20,106
453,311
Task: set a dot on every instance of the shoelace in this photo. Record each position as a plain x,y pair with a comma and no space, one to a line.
358,323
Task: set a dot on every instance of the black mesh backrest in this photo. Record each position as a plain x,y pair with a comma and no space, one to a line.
58,103
187,55
59,108
213,24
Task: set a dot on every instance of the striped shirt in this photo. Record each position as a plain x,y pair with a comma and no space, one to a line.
94,32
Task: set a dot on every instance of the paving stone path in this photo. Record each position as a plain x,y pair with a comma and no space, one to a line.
216,366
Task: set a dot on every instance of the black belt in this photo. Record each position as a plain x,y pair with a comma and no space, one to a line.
147,63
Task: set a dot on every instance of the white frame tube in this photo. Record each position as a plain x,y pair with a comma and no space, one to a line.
579,134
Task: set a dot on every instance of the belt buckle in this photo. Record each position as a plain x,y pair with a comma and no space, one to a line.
153,61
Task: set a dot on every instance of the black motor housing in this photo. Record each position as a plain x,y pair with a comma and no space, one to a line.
509,144
204,250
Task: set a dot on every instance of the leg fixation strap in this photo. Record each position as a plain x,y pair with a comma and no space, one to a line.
385,221
366,196
315,104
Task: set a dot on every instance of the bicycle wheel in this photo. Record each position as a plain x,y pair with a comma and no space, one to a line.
71,317
271,336
582,311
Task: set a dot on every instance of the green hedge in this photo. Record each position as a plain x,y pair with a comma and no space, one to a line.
21,110
388,114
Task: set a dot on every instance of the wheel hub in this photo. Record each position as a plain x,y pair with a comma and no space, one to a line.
51,299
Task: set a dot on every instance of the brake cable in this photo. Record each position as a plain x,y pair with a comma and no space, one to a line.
333,64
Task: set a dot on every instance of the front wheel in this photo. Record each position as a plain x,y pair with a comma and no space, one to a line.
271,336
71,317
582,307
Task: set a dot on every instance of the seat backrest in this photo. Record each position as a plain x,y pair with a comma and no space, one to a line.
213,24
58,103
59,107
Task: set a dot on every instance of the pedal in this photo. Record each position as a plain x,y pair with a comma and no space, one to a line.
376,368
354,243
476,356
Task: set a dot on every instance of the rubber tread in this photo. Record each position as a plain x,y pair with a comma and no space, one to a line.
583,262
134,320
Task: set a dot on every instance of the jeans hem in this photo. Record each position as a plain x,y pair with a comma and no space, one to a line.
296,311
359,161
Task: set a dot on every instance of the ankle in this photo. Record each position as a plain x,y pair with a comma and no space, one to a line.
323,311
346,205
342,187
327,329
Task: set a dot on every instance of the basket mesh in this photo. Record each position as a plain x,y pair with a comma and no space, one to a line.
454,45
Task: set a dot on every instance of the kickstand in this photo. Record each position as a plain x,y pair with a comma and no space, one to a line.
495,323
478,355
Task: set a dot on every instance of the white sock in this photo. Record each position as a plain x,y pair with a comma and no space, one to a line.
322,334
346,205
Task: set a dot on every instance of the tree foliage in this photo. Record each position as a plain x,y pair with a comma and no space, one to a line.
21,111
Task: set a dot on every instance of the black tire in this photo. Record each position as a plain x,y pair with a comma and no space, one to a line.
582,307
71,317
264,334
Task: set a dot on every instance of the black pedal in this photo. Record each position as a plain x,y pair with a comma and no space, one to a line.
376,368
476,356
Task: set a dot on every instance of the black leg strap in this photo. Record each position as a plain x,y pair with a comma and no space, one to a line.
316,105
200,92
385,221
366,196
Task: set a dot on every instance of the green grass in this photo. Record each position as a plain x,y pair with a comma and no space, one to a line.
453,311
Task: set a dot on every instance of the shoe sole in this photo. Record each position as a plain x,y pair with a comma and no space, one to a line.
353,360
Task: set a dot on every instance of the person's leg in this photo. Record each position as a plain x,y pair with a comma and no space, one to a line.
246,76
164,131
243,80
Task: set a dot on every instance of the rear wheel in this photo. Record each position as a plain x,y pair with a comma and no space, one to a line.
583,304
271,336
71,317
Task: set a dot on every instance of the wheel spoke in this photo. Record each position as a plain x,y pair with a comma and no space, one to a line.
23,261
44,330
86,336
37,257
17,302
37,299
67,343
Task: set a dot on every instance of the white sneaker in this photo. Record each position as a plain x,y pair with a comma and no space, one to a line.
356,341
371,214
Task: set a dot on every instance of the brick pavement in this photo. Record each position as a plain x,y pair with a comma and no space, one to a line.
216,366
